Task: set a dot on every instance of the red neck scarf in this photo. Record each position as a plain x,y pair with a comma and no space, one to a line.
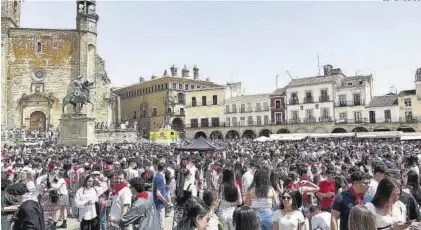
358,197
142,195
118,188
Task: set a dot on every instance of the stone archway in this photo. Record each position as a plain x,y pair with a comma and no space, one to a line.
406,129
249,134
283,131
265,132
359,130
232,134
339,130
381,129
301,130
38,121
200,134
216,135
177,125
320,130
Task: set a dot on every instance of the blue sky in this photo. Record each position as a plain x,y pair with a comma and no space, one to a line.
250,42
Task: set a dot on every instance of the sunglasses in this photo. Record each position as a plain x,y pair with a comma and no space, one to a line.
286,198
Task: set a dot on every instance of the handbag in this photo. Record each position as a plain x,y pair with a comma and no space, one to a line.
54,196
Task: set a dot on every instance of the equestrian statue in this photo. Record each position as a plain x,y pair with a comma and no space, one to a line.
78,94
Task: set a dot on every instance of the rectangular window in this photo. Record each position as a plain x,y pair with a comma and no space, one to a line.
194,123
204,122
408,115
242,121
342,100
357,99
387,116
294,115
343,116
309,113
358,117
249,107
234,108
192,87
174,85
155,112
266,119
234,121
277,104
180,86
39,47
227,122
214,99
135,115
203,100
325,113
227,108
243,108
266,106
407,102
258,107
193,101
215,121
250,120
259,120
186,86
278,118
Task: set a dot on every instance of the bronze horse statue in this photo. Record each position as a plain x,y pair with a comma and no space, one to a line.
78,97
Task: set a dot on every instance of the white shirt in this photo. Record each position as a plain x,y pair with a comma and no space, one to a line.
83,195
124,197
132,173
247,179
398,214
290,222
371,191
192,188
321,220
60,186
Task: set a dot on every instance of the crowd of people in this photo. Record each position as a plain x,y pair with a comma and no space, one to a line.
317,184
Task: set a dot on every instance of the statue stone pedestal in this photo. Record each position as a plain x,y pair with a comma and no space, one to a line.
77,129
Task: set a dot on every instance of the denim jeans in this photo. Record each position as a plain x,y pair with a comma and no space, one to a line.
161,217
265,218
103,219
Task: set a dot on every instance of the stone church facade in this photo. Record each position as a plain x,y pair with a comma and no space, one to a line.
38,65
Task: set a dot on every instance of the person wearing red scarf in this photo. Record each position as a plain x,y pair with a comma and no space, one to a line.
346,200
143,211
121,197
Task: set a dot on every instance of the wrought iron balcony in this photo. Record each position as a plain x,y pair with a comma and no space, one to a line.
293,101
352,121
310,120
324,98
294,121
308,100
325,119
349,103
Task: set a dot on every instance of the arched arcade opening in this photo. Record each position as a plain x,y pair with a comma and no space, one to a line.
265,132
216,135
359,130
200,134
232,134
339,130
249,134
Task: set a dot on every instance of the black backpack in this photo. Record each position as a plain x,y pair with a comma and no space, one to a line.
183,195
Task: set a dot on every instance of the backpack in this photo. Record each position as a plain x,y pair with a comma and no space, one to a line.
183,195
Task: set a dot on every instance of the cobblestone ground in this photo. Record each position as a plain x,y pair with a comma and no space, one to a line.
73,224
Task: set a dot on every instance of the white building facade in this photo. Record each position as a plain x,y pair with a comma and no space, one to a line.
247,110
311,99
382,109
353,94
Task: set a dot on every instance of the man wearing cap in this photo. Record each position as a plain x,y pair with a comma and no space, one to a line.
30,214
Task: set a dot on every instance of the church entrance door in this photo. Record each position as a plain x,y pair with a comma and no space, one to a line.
38,121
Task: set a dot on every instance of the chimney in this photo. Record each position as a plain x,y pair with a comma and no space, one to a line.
207,79
185,72
327,70
141,79
153,77
173,71
418,75
195,73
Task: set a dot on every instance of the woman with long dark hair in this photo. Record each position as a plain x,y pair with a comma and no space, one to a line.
195,216
413,185
262,198
388,211
288,217
87,200
230,196
245,218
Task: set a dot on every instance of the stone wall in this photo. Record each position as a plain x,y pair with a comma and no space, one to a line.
57,59
115,136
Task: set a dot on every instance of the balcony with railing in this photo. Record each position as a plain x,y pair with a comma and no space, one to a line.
309,120
293,101
352,121
230,111
294,121
324,98
349,103
325,119
308,100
